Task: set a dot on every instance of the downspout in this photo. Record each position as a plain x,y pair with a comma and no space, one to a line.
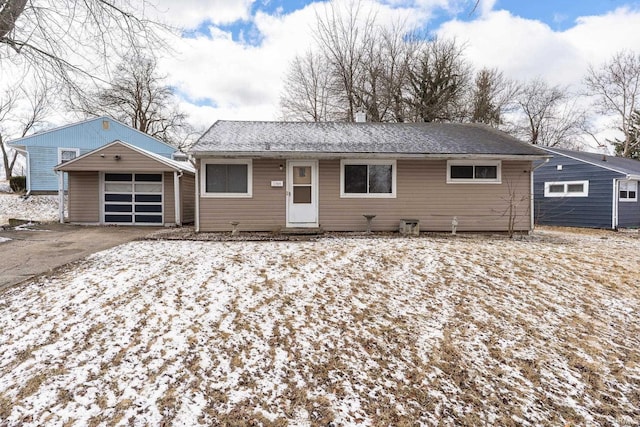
176,192
532,196
196,218
61,196
25,153
614,204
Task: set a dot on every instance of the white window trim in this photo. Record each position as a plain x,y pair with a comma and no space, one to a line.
565,193
627,199
394,170
496,163
61,149
203,177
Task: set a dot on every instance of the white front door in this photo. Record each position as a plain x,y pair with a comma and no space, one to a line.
302,193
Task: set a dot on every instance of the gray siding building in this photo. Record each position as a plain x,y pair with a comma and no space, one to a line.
581,189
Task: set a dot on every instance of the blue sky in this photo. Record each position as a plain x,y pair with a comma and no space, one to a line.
232,61
559,15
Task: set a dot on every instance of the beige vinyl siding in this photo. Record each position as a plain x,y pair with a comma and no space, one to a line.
423,194
104,160
264,211
188,197
84,197
168,199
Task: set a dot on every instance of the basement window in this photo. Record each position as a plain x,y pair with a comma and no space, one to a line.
566,189
628,191
474,172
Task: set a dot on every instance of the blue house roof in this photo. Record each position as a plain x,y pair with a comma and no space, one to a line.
617,164
91,134
43,150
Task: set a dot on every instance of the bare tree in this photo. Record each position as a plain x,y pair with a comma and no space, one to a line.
380,91
68,38
491,94
21,112
344,35
439,77
139,97
549,115
306,95
615,86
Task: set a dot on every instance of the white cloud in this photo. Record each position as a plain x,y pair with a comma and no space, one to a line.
191,13
525,48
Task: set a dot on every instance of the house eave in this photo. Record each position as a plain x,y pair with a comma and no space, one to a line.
361,155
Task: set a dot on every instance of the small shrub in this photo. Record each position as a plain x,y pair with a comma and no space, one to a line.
18,183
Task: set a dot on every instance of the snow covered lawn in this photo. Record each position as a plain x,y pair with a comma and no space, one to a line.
33,208
471,330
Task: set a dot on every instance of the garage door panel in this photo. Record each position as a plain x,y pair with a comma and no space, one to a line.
148,208
117,198
148,177
118,177
149,219
146,198
131,198
119,218
118,208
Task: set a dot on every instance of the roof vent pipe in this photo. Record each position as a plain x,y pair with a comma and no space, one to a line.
361,116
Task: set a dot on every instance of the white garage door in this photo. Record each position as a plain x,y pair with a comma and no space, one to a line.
133,198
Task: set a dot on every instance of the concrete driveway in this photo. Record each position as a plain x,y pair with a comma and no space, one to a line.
44,247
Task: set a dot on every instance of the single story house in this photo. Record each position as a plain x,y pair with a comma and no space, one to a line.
47,149
122,184
582,189
269,176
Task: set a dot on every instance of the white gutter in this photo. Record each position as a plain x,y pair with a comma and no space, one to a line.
61,196
196,218
333,156
176,194
614,204
532,196
25,153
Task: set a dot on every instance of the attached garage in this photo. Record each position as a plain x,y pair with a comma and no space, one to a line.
124,185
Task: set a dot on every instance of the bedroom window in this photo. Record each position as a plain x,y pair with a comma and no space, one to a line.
474,172
66,154
227,178
368,178
566,189
628,191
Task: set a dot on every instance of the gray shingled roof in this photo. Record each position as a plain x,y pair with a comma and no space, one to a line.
618,164
268,138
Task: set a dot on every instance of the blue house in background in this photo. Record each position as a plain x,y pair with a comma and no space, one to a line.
45,150
580,189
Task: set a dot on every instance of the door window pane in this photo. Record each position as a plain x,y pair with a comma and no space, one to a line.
302,174
302,194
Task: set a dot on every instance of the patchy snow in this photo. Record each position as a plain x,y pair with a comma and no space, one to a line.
466,330
33,208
